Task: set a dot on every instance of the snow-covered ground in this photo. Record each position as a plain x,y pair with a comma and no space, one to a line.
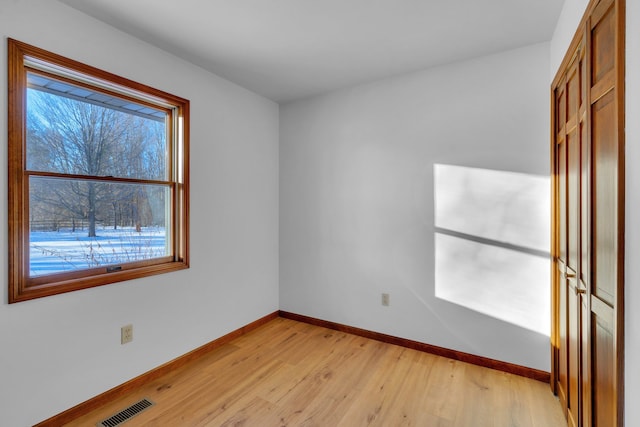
64,250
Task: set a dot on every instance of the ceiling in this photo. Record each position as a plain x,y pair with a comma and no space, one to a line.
290,49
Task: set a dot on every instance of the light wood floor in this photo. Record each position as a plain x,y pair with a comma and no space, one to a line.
287,373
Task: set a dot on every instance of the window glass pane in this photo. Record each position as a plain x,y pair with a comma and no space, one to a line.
79,224
73,130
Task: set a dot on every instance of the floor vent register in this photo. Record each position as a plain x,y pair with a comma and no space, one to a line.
126,414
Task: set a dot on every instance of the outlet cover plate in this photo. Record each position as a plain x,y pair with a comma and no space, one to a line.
385,299
126,334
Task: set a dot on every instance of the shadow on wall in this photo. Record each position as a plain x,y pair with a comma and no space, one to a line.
492,243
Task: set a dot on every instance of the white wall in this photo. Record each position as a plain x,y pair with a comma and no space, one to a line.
568,22
567,25
59,351
357,197
632,197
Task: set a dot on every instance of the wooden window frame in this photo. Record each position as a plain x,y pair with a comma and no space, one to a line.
21,58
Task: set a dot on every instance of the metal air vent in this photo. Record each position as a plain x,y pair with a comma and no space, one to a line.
126,414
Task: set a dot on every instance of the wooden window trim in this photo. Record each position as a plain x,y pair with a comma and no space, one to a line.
21,287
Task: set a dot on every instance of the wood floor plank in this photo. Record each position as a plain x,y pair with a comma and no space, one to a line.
287,373
410,409
382,391
335,382
444,387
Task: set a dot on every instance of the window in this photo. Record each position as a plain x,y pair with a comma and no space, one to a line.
98,176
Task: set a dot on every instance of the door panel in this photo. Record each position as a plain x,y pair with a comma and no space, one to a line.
604,360
603,42
605,153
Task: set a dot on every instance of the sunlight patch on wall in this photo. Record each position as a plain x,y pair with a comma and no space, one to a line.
492,243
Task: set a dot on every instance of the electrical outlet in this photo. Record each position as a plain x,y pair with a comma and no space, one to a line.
126,334
385,300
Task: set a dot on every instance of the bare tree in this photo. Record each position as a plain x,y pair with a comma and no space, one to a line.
72,137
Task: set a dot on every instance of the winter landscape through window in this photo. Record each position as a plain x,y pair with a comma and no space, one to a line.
99,173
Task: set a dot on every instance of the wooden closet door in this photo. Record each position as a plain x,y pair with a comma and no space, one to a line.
570,143
607,141
560,221
574,283
588,166
584,278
